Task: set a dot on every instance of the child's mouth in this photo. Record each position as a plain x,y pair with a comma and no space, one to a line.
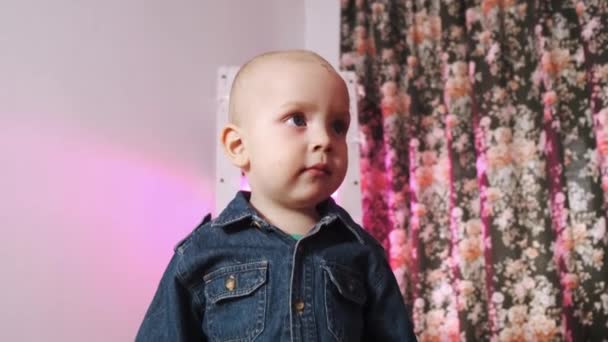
318,170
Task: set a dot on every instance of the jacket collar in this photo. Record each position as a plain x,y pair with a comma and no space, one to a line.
239,210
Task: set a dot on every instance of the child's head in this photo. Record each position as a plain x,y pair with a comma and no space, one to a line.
289,114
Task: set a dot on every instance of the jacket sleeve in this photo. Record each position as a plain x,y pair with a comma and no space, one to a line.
175,313
386,316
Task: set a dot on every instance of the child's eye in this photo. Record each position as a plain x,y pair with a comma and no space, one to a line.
340,127
297,119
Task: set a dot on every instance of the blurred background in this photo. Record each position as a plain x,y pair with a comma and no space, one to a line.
107,146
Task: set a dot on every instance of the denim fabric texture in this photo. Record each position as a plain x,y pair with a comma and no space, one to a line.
238,278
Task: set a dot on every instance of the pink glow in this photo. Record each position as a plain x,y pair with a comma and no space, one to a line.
244,183
335,195
91,217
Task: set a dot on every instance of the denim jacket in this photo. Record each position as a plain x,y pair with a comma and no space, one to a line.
238,278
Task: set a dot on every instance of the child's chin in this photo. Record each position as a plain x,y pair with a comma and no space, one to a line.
312,199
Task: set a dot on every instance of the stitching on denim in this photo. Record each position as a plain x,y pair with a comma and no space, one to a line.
189,287
310,333
256,266
261,322
380,277
328,311
249,266
350,226
260,308
239,293
221,221
352,295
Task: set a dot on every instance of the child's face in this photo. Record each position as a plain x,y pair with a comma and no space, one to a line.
295,132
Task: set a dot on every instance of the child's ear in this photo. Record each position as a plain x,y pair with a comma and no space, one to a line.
232,140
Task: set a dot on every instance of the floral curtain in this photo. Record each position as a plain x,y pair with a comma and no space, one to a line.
485,161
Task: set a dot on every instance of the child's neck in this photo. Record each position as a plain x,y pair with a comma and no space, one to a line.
289,220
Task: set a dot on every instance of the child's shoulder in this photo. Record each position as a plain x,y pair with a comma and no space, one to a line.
371,241
364,236
181,246
206,234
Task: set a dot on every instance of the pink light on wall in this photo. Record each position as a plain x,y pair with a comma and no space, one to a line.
335,195
244,183
96,220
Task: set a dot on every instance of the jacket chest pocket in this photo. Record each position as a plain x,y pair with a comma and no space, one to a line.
345,297
235,296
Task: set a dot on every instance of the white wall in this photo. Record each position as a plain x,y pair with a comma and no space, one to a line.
322,31
107,147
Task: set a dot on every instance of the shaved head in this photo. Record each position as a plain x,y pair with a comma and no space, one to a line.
288,109
248,78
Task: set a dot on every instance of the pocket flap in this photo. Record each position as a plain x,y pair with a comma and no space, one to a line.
235,280
347,282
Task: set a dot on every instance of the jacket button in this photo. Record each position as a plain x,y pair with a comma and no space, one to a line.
299,306
230,283
257,224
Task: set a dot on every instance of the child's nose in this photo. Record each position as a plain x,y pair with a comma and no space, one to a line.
322,140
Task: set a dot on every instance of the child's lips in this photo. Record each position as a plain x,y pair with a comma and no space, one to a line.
318,169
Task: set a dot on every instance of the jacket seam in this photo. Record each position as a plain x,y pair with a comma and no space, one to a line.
182,280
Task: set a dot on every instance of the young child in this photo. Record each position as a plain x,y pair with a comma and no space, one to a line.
284,262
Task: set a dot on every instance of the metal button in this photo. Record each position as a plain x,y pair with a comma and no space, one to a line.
230,283
299,306
257,224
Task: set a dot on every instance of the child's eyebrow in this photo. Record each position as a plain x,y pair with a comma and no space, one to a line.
299,104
